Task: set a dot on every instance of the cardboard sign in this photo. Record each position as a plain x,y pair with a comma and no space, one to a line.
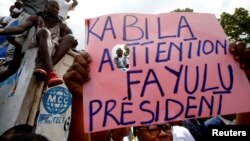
179,66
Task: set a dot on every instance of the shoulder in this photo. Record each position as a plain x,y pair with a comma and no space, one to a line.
182,134
63,25
177,128
6,18
124,57
33,18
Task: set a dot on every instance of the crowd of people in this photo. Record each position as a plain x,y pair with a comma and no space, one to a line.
54,39
52,36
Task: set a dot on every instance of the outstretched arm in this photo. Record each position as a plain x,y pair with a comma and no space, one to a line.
2,24
74,79
32,20
242,55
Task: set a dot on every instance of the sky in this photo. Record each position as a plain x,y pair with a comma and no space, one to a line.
93,8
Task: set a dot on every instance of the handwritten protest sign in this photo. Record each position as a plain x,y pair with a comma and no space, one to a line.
179,67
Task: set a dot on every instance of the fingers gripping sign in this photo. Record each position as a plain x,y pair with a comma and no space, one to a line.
77,74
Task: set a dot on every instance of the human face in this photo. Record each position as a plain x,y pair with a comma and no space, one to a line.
155,133
52,8
12,13
119,52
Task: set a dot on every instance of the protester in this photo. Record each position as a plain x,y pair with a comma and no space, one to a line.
29,137
22,128
32,7
164,132
51,33
120,134
75,77
18,7
14,63
22,132
242,55
29,7
7,20
65,7
221,120
195,127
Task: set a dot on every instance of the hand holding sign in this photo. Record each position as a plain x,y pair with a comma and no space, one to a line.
74,78
78,73
241,54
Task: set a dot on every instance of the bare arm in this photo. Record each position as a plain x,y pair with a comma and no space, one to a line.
3,24
15,63
74,4
241,54
63,29
32,20
74,78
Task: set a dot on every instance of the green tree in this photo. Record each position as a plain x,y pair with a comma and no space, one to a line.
183,10
236,25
